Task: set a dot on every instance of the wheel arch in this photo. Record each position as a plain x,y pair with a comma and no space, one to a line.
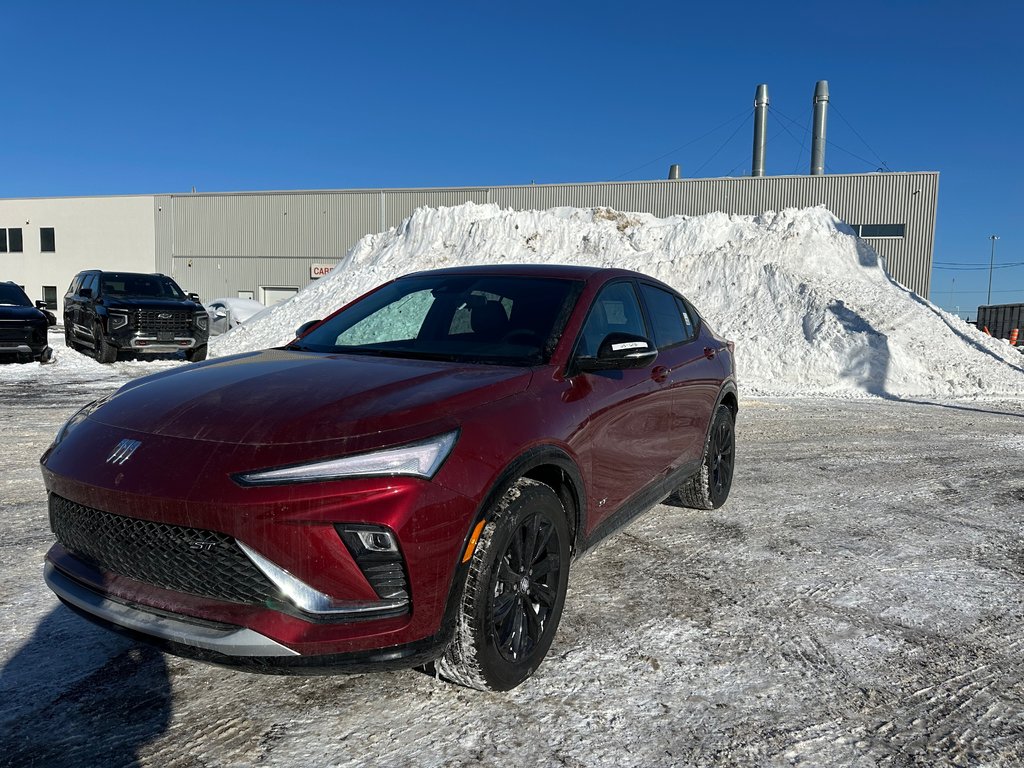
548,464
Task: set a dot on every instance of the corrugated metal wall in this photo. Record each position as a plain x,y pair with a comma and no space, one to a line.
218,244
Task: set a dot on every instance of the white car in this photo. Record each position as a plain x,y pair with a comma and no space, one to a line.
226,313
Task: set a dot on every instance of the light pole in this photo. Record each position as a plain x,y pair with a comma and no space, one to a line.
991,265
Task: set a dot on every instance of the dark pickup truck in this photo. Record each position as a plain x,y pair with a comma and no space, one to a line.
122,313
23,326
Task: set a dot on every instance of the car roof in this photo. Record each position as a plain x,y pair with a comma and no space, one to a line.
563,271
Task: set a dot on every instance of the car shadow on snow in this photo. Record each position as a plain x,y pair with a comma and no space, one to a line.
76,694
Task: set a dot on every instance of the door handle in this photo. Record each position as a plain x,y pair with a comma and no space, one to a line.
659,373
709,353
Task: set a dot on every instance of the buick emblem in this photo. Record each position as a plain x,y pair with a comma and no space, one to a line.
123,451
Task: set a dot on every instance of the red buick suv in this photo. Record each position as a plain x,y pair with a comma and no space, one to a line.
406,483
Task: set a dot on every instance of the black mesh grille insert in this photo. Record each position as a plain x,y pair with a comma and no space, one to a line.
153,322
191,560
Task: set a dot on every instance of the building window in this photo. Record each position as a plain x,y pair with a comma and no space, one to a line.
880,230
47,241
3,241
14,243
50,296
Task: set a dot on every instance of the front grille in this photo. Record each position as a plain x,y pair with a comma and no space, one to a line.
192,560
148,321
21,335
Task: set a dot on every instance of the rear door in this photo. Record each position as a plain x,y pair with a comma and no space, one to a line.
692,373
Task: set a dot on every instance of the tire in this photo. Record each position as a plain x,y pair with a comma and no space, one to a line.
196,355
496,645
105,352
709,488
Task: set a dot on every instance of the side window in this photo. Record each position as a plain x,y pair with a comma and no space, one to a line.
615,310
689,319
76,281
669,328
92,282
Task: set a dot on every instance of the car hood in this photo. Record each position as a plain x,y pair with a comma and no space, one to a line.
279,397
151,304
21,314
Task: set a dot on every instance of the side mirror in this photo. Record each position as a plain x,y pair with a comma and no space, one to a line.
301,330
40,304
619,351
220,313
85,293
194,297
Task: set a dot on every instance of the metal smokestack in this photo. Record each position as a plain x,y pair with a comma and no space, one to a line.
760,129
818,132
673,171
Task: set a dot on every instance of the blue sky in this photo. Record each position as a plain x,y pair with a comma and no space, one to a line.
120,98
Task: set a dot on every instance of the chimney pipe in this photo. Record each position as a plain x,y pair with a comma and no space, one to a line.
673,171
760,129
818,132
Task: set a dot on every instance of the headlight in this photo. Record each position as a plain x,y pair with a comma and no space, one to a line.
202,320
79,416
420,459
116,320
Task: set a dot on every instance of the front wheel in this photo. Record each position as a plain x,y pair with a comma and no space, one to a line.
709,488
196,355
105,351
514,592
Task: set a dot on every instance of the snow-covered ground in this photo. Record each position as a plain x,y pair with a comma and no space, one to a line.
858,601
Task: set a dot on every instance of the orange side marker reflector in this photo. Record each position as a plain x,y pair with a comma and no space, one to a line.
472,541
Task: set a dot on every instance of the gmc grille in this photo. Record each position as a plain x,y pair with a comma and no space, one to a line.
192,560
148,321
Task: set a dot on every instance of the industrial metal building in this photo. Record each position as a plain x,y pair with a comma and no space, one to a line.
268,245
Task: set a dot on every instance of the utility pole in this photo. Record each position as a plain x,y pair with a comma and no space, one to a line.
991,266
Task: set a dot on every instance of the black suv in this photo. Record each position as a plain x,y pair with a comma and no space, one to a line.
23,326
128,312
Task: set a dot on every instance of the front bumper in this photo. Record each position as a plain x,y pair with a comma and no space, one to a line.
295,527
152,343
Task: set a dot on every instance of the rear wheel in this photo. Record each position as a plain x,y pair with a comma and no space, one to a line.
709,488
514,592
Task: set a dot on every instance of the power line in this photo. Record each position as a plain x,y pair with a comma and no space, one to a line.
830,143
744,113
715,153
870,149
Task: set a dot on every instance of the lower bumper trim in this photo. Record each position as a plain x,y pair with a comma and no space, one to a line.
229,641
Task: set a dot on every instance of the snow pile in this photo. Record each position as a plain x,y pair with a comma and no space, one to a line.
810,306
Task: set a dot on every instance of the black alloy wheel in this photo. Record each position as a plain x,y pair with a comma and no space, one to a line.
525,590
709,487
721,458
514,592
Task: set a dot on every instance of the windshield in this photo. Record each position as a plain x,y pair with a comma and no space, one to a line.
499,319
13,296
147,286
